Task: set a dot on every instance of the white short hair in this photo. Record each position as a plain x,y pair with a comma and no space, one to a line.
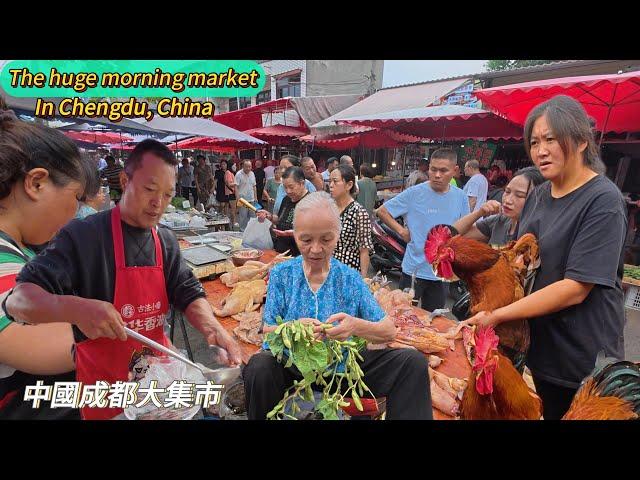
316,202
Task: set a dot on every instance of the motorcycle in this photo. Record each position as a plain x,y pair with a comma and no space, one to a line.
389,249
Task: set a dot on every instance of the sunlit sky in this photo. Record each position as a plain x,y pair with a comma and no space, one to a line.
399,72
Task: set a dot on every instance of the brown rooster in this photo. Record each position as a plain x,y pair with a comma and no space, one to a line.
495,278
496,391
611,392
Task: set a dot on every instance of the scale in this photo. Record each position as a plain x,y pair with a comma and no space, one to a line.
203,255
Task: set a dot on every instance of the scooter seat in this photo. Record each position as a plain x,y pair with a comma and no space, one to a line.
393,234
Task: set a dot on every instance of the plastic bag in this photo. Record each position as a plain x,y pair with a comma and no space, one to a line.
197,222
165,371
257,235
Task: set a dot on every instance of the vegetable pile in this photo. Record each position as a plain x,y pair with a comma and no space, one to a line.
632,272
318,363
177,202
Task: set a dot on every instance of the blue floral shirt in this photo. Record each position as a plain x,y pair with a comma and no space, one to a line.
290,297
85,210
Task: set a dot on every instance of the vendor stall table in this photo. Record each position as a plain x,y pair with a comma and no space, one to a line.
455,362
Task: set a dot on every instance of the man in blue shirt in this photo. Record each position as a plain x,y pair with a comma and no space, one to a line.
426,205
285,162
477,187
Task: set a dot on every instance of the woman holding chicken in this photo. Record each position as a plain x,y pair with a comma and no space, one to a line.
578,216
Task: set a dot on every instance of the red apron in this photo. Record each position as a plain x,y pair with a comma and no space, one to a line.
140,296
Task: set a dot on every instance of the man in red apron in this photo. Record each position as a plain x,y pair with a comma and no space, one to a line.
117,268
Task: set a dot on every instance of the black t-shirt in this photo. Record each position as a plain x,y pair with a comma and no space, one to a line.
260,176
285,222
496,228
80,261
581,237
496,194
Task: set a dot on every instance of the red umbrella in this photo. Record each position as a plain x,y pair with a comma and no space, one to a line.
371,139
441,122
201,143
277,134
123,147
99,137
612,100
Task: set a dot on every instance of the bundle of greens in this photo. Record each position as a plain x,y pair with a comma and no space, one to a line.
177,202
632,272
318,363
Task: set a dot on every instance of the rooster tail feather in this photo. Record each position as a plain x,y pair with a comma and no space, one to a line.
602,362
620,379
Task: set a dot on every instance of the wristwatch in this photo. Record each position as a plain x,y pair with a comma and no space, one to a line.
4,306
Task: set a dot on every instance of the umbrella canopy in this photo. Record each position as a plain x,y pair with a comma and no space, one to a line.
613,101
98,137
441,122
202,143
200,127
371,139
251,117
276,134
122,147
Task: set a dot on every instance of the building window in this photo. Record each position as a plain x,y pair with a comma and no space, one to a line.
243,103
288,86
263,97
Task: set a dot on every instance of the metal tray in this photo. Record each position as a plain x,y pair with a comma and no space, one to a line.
203,255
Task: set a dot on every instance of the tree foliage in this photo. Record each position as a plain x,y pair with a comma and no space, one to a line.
498,65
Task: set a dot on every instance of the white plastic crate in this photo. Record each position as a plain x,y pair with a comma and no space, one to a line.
632,299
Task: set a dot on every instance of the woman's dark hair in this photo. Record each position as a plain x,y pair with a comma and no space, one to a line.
25,146
571,126
366,170
148,146
348,174
109,159
295,161
294,172
533,175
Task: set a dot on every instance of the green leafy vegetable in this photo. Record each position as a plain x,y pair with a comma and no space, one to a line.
632,272
318,363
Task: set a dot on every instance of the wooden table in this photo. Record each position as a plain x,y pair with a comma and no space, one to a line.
455,362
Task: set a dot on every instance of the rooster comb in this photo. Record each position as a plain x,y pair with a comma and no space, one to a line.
438,235
486,342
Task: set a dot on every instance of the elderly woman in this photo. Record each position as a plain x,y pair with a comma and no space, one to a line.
293,181
318,288
577,308
355,244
